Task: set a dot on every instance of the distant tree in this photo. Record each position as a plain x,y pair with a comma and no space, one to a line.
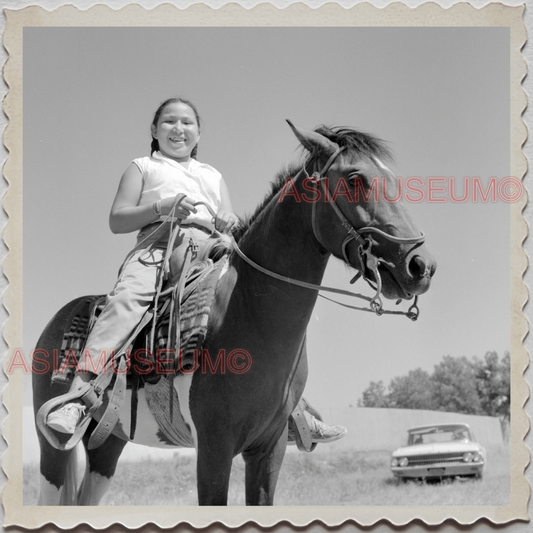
374,396
413,391
455,386
493,381
459,385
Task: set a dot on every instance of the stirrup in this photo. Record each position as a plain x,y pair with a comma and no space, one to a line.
84,392
300,425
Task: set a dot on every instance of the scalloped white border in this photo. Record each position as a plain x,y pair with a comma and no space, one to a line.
135,15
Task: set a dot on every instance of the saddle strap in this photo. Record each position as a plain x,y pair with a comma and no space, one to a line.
175,315
112,413
135,382
302,431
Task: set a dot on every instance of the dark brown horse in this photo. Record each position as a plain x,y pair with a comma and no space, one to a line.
302,222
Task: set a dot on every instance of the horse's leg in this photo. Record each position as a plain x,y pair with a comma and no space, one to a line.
213,473
262,471
213,468
54,467
99,470
58,469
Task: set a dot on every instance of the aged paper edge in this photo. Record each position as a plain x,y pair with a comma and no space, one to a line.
430,14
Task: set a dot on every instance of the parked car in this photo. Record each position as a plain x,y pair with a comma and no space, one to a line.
437,451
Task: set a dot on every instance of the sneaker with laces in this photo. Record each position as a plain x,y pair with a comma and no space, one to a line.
322,433
66,419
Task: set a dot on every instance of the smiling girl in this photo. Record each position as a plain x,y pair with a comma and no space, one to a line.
147,193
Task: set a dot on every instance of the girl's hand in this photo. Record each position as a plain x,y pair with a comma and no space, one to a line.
183,209
226,221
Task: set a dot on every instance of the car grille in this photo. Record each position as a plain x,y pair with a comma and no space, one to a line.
435,459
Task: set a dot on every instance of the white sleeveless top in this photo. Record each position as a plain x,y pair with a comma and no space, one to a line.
163,177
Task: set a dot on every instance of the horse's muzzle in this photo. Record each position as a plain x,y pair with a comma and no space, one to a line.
420,268
411,279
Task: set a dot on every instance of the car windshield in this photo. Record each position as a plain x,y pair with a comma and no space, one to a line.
431,435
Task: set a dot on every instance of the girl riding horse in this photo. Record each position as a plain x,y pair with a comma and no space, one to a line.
169,183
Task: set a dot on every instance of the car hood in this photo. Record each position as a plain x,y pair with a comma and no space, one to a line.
438,447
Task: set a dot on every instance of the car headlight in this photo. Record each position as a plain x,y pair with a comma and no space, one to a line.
468,457
394,462
476,457
403,461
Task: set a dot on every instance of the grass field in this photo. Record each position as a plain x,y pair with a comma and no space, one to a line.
342,478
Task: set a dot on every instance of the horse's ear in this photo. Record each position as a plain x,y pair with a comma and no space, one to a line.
311,140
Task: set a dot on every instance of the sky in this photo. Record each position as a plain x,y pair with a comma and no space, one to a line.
440,97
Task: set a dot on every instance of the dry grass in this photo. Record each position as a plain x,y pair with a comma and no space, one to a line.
320,478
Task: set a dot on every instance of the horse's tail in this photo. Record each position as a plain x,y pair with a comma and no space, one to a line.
69,493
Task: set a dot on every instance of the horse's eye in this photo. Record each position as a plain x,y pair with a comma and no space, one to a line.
355,177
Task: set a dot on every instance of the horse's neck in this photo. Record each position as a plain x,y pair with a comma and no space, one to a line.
282,240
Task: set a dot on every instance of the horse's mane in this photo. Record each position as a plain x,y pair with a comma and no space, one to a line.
356,142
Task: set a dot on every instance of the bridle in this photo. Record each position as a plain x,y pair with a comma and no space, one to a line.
368,261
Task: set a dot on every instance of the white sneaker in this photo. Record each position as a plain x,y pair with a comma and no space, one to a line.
66,419
321,432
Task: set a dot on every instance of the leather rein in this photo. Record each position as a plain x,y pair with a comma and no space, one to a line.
367,260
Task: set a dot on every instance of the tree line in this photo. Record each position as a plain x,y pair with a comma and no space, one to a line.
457,384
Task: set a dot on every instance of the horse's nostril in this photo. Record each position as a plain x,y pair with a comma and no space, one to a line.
418,267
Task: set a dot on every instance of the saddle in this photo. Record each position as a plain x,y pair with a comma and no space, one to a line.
164,343
175,325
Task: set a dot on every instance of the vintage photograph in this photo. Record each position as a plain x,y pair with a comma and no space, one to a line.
269,265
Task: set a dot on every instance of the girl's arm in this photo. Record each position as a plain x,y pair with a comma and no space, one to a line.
127,216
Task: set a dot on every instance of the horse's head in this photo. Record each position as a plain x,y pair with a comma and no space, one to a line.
358,213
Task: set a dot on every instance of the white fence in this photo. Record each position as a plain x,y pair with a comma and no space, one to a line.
385,429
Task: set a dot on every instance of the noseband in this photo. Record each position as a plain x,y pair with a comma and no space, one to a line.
368,261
